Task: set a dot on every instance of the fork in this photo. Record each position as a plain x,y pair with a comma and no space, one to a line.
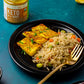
75,54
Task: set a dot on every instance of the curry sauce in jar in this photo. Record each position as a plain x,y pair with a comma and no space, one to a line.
16,11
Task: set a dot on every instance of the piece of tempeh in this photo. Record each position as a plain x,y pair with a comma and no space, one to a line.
39,28
44,31
38,39
29,47
48,33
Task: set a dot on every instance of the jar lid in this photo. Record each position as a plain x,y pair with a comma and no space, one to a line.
15,2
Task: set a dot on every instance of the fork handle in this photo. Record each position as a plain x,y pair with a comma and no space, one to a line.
50,74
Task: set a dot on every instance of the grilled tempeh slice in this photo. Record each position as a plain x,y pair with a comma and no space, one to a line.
39,28
44,31
33,39
29,47
38,39
48,33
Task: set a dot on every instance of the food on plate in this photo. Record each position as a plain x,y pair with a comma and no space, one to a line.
36,37
56,50
28,46
44,31
48,33
48,48
39,28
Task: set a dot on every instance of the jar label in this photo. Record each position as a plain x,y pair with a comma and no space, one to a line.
16,14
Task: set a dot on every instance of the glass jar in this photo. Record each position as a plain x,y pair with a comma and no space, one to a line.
16,11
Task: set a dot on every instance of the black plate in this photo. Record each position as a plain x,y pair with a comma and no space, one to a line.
25,61
79,82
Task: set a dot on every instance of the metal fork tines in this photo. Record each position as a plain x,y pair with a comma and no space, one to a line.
75,54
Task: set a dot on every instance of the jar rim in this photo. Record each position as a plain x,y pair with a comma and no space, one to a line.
11,2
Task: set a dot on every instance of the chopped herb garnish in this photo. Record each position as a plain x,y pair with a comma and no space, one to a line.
21,42
50,46
49,64
35,34
29,48
32,40
23,52
40,31
57,43
63,31
65,37
44,31
40,56
47,28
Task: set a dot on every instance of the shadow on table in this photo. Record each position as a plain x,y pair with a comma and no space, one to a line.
58,78
55,78
1,82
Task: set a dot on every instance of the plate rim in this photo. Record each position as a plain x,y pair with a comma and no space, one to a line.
78,82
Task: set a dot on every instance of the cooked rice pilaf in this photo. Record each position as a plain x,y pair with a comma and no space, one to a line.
57,51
